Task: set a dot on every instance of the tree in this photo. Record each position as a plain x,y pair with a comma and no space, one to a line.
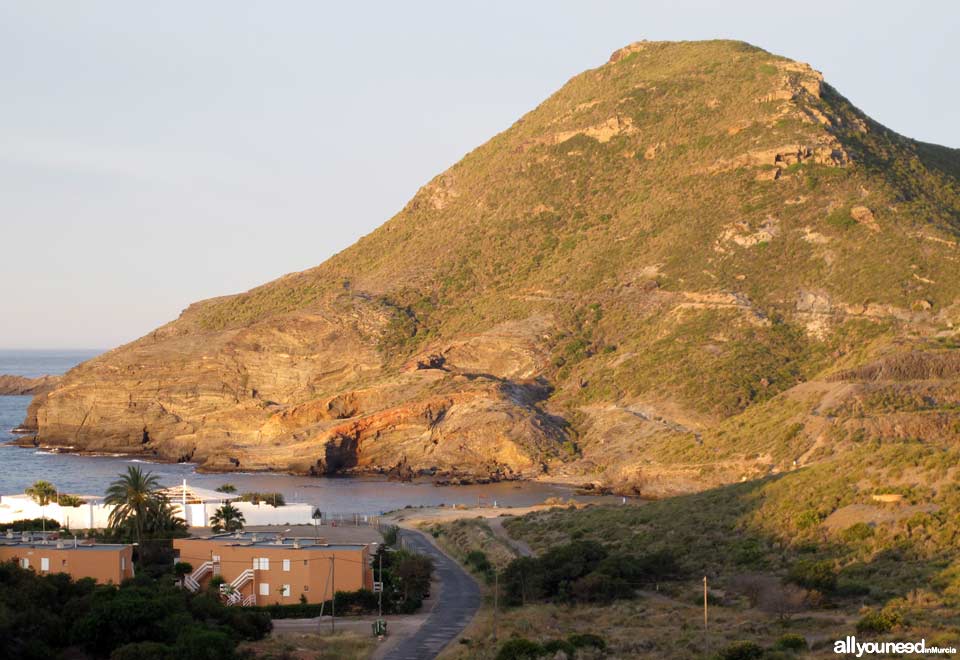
414,572
42,492
162,519
182,569
227,519
134,498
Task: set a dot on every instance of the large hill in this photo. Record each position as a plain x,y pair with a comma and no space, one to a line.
695,264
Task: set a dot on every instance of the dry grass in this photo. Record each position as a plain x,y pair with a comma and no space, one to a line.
308,646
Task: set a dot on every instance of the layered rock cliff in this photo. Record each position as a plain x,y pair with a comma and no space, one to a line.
676,271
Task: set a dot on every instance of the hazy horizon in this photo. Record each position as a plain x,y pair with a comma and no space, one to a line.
158,155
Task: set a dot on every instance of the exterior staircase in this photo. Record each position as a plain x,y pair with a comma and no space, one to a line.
232,590
192,581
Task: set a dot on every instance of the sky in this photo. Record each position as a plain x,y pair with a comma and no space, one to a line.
152,155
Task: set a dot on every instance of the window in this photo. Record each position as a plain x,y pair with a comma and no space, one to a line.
44,564
285,591
261,563
286,565
24,563
264,589
306,587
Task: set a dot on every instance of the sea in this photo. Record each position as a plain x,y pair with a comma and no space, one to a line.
90,475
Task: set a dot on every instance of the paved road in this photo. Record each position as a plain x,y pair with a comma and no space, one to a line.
458,601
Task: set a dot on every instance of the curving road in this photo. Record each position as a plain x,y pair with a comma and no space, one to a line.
458,601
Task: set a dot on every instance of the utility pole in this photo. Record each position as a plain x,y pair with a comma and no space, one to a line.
496,601
333,590
380,593
706,638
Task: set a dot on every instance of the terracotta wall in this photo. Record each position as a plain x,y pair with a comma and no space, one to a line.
102,564
307,570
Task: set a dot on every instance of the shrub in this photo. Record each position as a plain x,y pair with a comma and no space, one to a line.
846,587
812,574
520,648
597,588
69,500
197,643
741,651
857,532
792,642
554,645
30,525
587,640
390,536
273,499
876,621
143,651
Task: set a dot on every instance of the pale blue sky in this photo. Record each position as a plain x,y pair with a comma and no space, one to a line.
156,154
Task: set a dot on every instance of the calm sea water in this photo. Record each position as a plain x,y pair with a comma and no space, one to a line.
89,475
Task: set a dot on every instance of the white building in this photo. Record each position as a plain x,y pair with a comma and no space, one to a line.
195,505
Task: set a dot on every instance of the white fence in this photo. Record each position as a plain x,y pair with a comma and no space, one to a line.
94,515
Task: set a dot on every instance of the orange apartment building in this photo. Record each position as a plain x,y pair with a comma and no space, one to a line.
260,569
104,562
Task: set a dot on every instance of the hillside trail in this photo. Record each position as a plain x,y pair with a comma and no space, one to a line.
520,547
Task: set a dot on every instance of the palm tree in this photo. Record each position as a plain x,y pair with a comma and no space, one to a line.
227,519
163,519
42,492
134,499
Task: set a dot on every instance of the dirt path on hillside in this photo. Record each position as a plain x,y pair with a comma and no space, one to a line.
520,547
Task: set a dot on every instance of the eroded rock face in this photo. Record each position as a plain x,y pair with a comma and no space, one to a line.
310,394
21,385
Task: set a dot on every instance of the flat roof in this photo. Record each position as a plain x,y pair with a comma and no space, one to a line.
261,540
194,494
67,545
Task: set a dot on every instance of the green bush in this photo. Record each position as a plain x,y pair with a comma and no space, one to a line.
741,651
792,642
878,621
554,645
857,532
813,574
582,571
847,587
273,499
145,618
143,651
520,648
587,641
30,525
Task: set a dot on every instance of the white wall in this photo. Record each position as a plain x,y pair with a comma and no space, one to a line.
96,516
86,516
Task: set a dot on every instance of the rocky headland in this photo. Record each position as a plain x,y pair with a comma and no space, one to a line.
693,265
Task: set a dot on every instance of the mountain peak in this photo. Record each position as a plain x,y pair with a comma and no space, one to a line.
660,264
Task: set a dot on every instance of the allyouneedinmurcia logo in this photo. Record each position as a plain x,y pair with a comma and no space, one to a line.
850,646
